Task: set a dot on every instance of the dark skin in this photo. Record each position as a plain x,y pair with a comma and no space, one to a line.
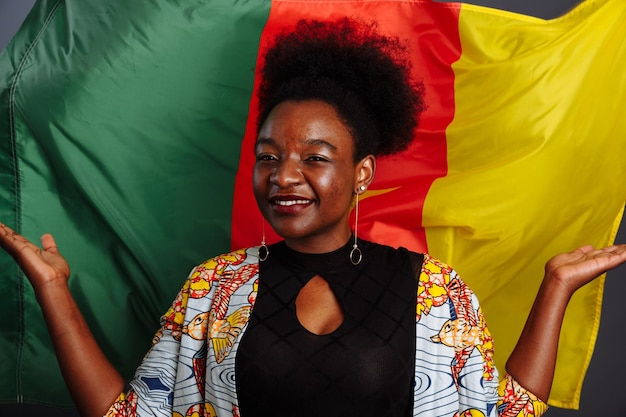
304,181
91,379
305,177
305,161
537,346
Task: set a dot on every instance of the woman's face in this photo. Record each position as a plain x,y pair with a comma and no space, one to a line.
305,177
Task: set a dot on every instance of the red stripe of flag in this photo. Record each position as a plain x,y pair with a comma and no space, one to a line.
391,211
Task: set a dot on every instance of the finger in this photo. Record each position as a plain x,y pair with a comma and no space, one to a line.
4,226
48,243
615,254
13,242
611,251
605,259
616,249
585,249
6,233
589,252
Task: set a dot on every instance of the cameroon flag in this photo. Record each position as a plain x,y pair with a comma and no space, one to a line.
126,130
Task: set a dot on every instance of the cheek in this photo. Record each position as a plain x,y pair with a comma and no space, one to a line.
328,181
258,183
255,179
337,189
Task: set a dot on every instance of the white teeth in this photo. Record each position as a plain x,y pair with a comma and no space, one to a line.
290,202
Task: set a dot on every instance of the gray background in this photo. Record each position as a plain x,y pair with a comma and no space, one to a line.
604,391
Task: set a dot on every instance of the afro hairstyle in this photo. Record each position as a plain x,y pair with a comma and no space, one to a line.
348,64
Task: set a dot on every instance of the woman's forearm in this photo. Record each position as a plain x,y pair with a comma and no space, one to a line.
533,360
91,379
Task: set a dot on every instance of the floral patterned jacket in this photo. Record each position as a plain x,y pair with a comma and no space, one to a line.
190,369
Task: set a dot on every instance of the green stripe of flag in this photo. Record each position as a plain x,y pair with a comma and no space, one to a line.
127,120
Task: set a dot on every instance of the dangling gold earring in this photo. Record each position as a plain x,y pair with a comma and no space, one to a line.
356,256
264,251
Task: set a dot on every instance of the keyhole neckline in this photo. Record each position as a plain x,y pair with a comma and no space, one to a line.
317,308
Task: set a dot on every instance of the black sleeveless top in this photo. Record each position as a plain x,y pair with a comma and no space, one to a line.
363,368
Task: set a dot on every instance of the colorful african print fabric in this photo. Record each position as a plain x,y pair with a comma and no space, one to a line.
190,369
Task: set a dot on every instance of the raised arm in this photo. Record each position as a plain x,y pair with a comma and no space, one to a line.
533,360
91,379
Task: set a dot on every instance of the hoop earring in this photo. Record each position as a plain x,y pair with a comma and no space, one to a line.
264,251
356,256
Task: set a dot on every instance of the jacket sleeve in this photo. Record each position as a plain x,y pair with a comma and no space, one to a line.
463,348
184,371
151,389
514,400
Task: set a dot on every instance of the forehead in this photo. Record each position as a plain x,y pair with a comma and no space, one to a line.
306,122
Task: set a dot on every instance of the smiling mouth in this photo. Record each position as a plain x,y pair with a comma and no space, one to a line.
287,203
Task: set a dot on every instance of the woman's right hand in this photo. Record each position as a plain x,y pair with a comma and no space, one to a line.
91,379
42,266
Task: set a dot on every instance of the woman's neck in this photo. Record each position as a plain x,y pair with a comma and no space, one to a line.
319,244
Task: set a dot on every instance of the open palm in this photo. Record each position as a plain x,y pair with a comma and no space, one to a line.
577,268
43,265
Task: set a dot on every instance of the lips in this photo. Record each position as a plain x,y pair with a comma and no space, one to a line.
289,204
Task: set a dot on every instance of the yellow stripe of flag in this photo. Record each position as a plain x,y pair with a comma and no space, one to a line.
536,157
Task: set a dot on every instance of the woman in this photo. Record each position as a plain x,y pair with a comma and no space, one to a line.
321,323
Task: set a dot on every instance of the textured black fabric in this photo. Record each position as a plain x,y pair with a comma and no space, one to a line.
365,367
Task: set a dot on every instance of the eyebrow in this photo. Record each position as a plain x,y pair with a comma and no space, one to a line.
264,141
310,142
322,143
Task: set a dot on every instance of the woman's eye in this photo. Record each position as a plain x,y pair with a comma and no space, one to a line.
316,158
265,157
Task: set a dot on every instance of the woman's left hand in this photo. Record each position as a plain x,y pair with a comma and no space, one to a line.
583,265
533,360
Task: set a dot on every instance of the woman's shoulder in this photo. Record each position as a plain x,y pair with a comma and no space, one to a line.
224,274
423,262
242,256
236,266
433,265
435,270
372,246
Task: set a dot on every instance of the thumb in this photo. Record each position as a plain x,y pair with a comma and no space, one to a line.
48,244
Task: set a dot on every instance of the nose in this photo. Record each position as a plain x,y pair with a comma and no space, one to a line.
286,173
